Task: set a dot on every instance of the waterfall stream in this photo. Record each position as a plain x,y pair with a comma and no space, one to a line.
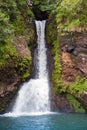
33,96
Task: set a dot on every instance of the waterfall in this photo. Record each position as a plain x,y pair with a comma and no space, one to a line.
41,63
33,96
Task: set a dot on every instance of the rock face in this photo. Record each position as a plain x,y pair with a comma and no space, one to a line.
69,70
76,54
61,104
74,61
83,99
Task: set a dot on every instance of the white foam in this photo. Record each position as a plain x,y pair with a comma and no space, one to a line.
28,114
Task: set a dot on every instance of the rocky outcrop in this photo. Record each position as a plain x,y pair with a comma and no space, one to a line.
14,73
74,61
76,49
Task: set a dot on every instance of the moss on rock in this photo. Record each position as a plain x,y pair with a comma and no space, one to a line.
75,103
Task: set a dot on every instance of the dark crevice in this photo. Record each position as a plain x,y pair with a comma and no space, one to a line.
40,15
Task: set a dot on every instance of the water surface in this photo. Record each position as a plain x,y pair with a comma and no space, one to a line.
45,122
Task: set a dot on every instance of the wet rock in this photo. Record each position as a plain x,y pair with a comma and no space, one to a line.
84,100
70,49
62,105
75,53
82,63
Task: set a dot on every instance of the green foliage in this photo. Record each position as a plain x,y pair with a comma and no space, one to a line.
6,36
6,51
45,5
18,65
78,87
57,59
75,103
70,14
6,29
56,75
23,67
41,3
14,15
19,26
51,32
